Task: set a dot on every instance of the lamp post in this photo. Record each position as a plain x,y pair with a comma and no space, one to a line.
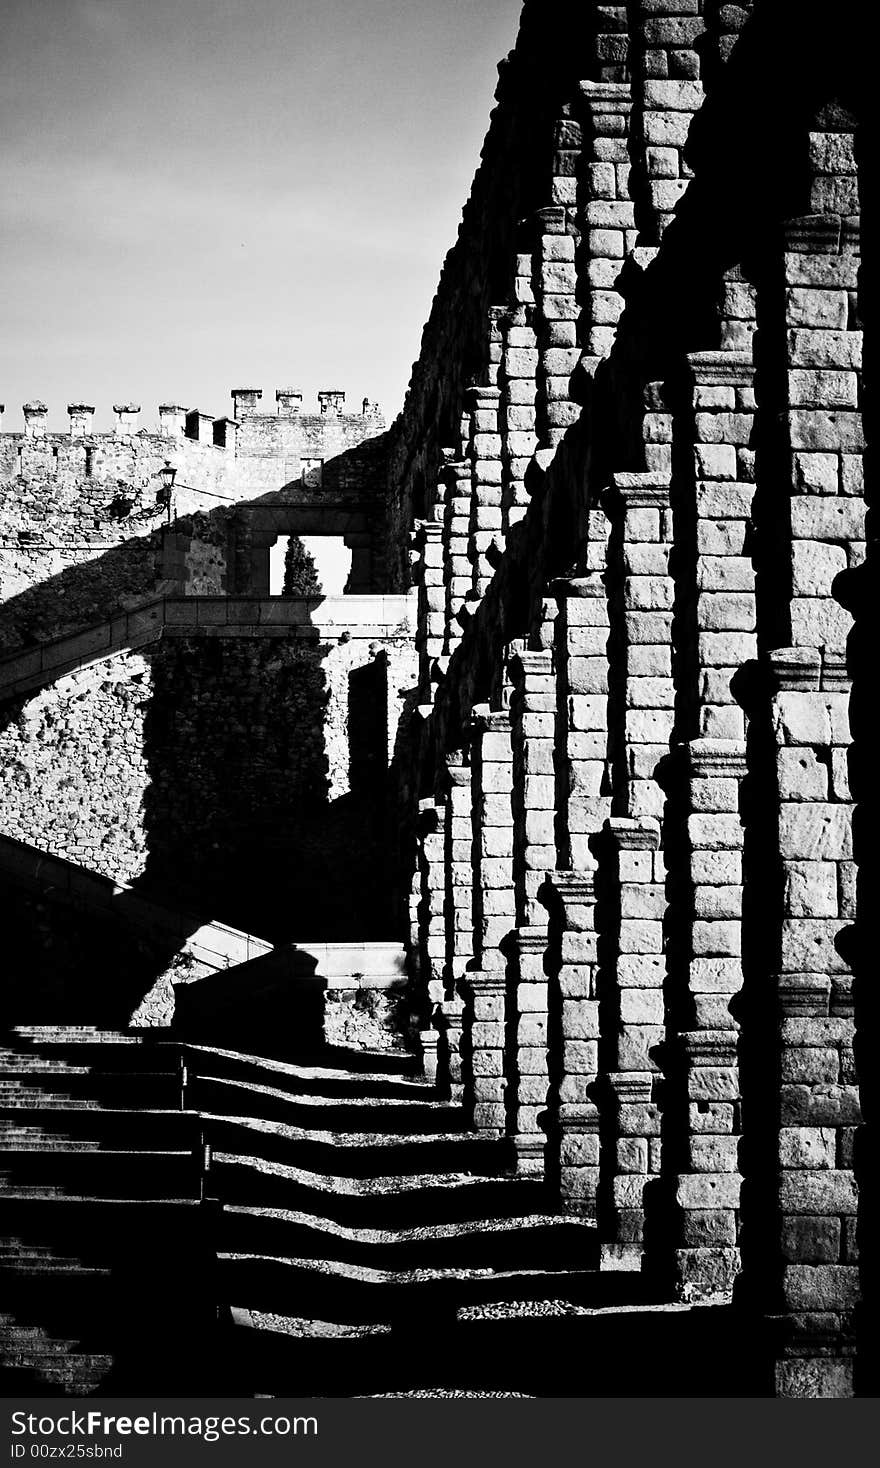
167,474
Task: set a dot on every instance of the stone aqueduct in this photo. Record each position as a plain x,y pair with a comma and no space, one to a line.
614,603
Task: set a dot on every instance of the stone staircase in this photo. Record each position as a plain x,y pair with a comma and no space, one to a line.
182,1218
101,1220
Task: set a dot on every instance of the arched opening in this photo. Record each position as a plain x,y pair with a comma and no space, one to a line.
309,565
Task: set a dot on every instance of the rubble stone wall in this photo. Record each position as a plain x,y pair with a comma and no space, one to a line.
241,778
84,529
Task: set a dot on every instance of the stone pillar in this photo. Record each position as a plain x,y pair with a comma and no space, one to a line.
556,284
172,419
492,770
459,872
633,1018
81,417
431,617
724,465
517,379
533,712
289,401
35,415
572,1119
824,426
432,930
648,594
458,572
608,215
819,1101
705,1067
485,999
485,457
580,758
127,415
485,984
245,401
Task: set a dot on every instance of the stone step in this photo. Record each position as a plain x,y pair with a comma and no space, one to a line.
91,1091
72,1375
138,1174
356,1154
364,1113
162,1130
399,1200
210,1062
358,1294
483,1243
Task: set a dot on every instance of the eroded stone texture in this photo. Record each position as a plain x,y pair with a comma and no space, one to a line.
628,488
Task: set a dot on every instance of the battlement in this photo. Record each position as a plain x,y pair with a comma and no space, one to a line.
176,421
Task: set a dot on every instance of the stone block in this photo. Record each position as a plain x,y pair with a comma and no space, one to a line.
825,1287
716,939
709,1191
715,1154
802,775
815,1378
715,832
825,310
814,567
807,1147
713,1083
811,889
817,832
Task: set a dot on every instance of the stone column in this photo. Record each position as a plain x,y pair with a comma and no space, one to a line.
580,759
431,615
459,871
648,593
608,216
705,1068
818,1100
724,465
35,415
633,1017
485,456
824,426
517,379
492,767
81,418
458,572
533,713
127,415
556,284
432,928
572,1120
485,984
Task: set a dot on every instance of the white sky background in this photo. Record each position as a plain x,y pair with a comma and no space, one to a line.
206,194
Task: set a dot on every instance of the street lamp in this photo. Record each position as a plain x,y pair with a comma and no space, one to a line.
167,474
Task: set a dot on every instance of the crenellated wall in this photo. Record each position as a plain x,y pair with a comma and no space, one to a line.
85,528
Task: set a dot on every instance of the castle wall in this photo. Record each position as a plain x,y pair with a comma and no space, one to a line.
84,529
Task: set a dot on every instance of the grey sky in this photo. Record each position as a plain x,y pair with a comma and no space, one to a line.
202,194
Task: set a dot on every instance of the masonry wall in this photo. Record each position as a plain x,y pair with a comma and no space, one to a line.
634,866
239,778
84,530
